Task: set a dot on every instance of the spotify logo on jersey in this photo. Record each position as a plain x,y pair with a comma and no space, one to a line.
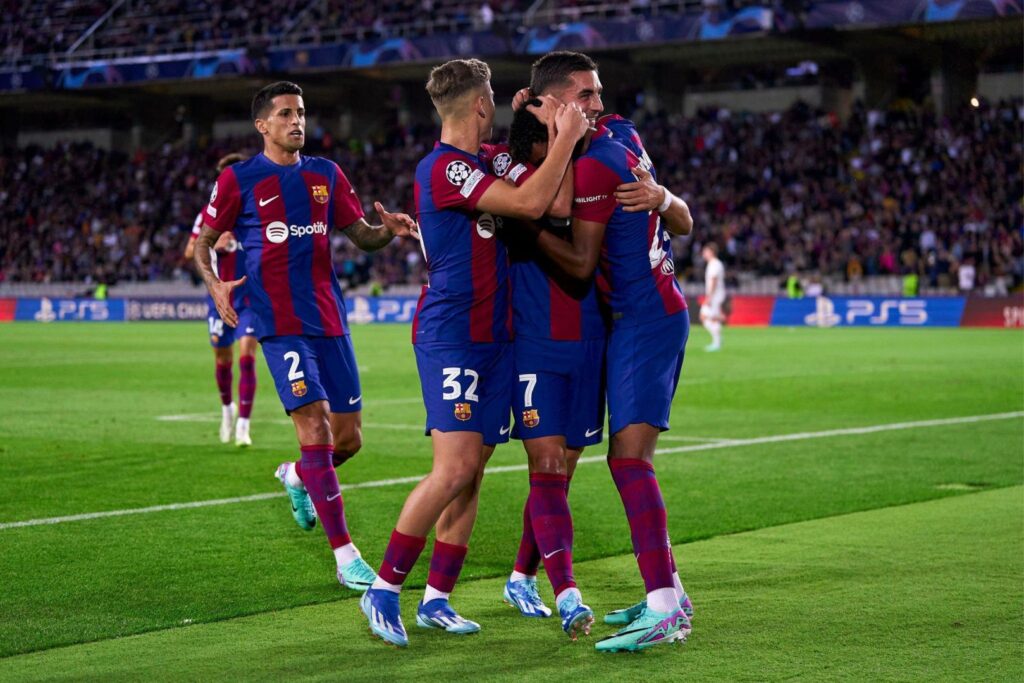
486,225
277,232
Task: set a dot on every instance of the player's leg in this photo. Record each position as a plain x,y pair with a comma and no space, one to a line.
710,318
451,545
247,346
457,460
221,339
640,391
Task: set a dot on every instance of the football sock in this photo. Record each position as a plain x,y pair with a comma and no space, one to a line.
663,600
566,593
648,524
552,527
519,576
528,557
246,385
224,379
715,328
293,475
346,553
445,566
432,593
680,591
322,485
399,559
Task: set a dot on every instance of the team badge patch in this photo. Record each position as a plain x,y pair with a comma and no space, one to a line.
531,418
320,193
299,388
457,172
463,411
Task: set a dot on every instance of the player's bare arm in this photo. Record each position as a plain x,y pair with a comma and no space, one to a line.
373,237
220,291
561,206
579,257
646,195
533,197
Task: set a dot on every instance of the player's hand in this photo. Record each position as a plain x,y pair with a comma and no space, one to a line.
642,195
400,224
519,99
221,293
570,120
226,242
547,110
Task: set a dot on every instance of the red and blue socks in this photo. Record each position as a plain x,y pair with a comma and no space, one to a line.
321,482
224,382
399,559
445,566
552,527
246,385
648,525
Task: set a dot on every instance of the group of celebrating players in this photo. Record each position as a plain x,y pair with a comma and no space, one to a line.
551,290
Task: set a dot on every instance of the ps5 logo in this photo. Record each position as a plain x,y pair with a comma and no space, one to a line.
909,312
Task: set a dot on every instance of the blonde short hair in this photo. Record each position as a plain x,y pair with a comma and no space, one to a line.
453,79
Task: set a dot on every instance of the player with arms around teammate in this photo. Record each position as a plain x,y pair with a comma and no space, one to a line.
461,337
650,326
568,78
229,263
711,314
281,206
558,402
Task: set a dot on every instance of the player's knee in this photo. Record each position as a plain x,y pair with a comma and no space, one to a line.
457,477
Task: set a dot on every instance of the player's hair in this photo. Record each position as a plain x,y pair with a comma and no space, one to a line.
453,79
526,129
554,68
229,159
261,103
712,247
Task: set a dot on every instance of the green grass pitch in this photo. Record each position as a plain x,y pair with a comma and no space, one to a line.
833,516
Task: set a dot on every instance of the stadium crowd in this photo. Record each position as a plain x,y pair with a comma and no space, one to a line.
796,191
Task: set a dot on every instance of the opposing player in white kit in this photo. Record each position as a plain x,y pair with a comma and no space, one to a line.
711,315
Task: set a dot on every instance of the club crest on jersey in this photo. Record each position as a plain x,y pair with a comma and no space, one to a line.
320,193
463,411
299,388
457,172
531,417
501,164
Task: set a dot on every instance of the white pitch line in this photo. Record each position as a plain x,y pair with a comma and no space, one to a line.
735,443
206,417
698,439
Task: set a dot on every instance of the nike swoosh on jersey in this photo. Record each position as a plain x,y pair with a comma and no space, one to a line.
264,202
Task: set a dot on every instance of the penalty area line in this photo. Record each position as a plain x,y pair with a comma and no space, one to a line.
734,443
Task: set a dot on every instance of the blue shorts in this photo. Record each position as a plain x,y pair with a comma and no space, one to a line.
644,362
223,336
467,387
560,390
307,369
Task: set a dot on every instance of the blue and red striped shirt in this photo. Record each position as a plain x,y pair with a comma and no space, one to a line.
466,298
282,215
636,257
546,304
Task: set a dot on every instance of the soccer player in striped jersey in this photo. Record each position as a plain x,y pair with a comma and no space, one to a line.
281,206
229,262
461,337
650,325
558,402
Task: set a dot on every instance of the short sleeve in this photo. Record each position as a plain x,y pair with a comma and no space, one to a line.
457,182
225,202
347,207
593,191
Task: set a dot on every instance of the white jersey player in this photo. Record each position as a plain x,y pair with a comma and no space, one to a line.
711,314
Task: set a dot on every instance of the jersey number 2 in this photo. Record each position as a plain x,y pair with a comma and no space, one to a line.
294,373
